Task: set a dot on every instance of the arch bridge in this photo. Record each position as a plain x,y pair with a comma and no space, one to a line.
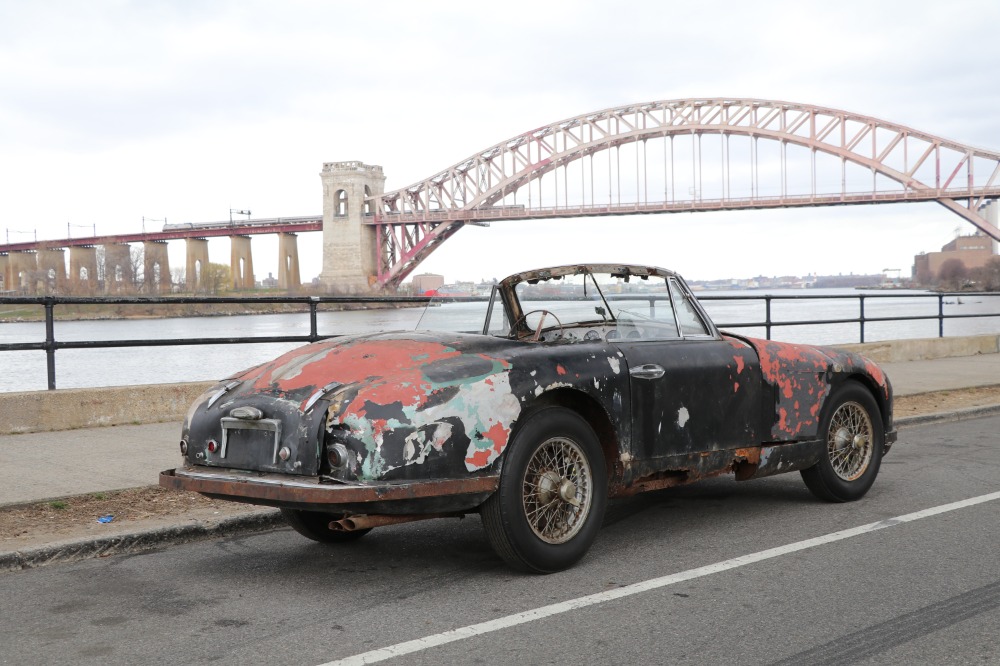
658,157
670,156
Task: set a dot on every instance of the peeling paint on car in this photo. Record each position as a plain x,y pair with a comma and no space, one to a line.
799,375
682,416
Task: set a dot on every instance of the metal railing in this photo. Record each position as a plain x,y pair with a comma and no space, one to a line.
51,344
861,319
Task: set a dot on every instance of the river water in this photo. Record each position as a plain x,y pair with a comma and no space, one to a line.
26,371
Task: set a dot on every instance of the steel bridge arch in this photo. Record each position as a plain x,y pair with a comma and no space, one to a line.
412,221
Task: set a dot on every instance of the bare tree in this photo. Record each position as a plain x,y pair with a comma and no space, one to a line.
952,274
988,276
136,260
177,278
214,278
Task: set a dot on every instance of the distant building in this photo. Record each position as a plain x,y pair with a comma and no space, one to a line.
426,282
270,282
973,251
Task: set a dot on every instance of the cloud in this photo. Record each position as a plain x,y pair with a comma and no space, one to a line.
113,110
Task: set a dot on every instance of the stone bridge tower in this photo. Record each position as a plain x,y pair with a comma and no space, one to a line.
349,245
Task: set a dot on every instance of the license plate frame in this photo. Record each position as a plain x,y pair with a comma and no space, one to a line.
230,423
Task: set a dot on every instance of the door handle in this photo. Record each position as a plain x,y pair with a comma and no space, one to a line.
648,371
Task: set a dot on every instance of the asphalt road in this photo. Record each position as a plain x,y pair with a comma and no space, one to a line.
922,591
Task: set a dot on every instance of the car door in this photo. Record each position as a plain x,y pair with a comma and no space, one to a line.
692,391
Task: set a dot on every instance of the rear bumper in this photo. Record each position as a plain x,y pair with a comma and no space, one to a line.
405,497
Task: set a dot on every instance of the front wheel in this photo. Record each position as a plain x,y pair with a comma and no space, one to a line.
315,525
853,437
552,494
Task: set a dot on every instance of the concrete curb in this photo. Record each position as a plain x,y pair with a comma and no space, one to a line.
943,417
139,541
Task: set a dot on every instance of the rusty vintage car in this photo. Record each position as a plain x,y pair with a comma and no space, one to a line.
571,385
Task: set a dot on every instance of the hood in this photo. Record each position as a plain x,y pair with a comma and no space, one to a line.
395,366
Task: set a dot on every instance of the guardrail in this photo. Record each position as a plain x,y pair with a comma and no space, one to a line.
51,344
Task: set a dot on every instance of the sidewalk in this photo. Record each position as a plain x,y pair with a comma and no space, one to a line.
943,374
40,466
43,465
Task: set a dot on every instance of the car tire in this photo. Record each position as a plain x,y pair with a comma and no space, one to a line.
315,525
853,440
553,490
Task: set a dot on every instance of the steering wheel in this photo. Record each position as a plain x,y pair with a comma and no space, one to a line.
538,329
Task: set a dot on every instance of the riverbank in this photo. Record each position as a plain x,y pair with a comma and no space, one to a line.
139,310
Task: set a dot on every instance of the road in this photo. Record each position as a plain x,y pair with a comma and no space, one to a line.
922,591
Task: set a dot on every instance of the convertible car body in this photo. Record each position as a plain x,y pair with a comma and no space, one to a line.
571,385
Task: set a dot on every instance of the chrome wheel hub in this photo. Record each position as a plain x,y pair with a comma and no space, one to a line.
557,490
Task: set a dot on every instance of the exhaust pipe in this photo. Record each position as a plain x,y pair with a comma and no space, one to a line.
366,522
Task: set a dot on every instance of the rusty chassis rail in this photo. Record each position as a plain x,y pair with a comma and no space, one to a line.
51,344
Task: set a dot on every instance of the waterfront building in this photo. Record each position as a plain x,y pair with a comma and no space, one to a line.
974,251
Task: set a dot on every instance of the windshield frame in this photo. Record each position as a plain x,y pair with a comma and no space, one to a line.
512,304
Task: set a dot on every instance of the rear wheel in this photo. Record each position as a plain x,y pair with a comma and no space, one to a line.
316,526
553,490
853,436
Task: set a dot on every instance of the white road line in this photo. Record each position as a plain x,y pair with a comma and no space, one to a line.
490,626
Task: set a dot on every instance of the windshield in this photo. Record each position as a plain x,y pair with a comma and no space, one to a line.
577,306
447,314
606,305
572,298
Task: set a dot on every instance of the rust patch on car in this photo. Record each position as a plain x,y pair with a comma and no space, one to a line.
798,374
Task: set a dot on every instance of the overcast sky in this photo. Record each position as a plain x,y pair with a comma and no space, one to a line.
115,110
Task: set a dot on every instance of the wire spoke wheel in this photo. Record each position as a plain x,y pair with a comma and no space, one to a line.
557,490
852,435
849,441
552,494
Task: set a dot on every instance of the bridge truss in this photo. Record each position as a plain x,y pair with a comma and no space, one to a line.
684,155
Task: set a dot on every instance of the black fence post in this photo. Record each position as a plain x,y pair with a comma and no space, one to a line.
50,342
940,315
767,315
861,298
313,334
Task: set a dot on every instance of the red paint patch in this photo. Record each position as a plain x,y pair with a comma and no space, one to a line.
370,361
561,370
798,372
497,434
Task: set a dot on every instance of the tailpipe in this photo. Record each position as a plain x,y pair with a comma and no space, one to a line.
366,522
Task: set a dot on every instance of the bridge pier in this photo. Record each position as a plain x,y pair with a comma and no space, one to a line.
197,261
83,268
51,269
349,245
991,216
155,267
21,271
288,262
241,263
119,274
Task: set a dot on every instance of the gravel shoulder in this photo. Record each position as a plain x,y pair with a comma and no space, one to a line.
79,517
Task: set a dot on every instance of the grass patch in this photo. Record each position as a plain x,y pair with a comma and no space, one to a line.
59,504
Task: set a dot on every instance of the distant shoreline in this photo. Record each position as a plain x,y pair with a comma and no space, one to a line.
183,310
